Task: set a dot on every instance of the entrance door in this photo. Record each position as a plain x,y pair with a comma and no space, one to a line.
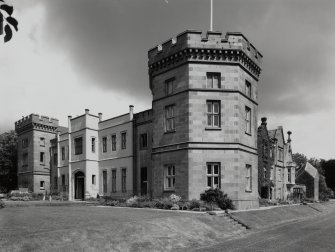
144,181
79,184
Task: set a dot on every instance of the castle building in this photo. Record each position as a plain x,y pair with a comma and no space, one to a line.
34,136
276,169
200,133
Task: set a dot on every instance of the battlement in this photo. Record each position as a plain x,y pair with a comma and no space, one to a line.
36,119
191,45
144,116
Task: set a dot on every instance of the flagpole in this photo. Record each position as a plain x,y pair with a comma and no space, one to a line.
211,28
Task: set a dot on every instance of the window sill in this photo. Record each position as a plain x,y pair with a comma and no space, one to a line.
170,131
248,190
42,164
213,128
42,188
247,133
169,190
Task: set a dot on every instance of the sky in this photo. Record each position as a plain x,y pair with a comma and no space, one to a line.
69,55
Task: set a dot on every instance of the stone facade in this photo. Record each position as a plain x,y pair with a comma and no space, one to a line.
34,135
214,111
200,133
276,170
309,176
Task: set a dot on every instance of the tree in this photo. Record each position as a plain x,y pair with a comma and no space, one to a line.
6,12
329,168
8,161
300,160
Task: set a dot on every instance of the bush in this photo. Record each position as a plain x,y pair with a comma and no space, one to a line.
175,198
194,204
216,196
2,204
111,203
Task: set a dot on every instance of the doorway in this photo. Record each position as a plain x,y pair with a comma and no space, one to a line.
79,185
144,181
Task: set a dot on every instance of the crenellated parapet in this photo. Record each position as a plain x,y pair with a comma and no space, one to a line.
37,122
144,116
190,46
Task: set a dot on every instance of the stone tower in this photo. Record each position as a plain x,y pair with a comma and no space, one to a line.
205,116
34,135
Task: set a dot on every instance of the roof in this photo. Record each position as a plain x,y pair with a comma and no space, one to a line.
311,170
62,129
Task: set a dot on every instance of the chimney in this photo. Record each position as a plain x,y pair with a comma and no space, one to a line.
289,136
69,123
100,117
264,121
87,111
131,112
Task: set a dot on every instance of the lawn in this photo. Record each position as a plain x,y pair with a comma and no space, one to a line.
91,228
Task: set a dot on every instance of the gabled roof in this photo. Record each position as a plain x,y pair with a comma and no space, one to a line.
311,170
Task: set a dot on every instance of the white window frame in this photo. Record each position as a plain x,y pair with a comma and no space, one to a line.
213,173
247,88
124,180
247,120
42,185
93,144
169,177
124,140
213,109
104,144
170,118
210,77
42,157
248,178
76,147
169,86
113,137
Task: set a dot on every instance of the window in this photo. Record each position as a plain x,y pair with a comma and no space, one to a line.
169,86
113,180
213,80
281,154
104,181
123,140
247,88
93,179
55,158
248,178
104,144
42,158
213,175
25,143
93,144
213,114
143,141
78,146
42,185
113,142
169,118
63,183
247,120
42,141
271,173
264,172
63,153
124,180
289,175
279,175
170,177
271,152
25,159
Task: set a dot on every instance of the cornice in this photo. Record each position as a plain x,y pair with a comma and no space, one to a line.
206,55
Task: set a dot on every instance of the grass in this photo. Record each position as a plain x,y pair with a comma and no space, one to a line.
87,228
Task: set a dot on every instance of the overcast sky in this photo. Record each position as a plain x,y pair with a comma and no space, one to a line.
74,54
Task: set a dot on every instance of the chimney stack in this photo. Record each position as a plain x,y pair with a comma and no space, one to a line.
131,112
87,111
289,136
100,117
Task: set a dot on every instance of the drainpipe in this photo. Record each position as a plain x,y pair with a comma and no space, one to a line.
69,165
58,160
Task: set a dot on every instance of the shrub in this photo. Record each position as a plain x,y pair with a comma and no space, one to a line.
111,203
216,196
175,198
2,204
132,200
148,204
194,204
